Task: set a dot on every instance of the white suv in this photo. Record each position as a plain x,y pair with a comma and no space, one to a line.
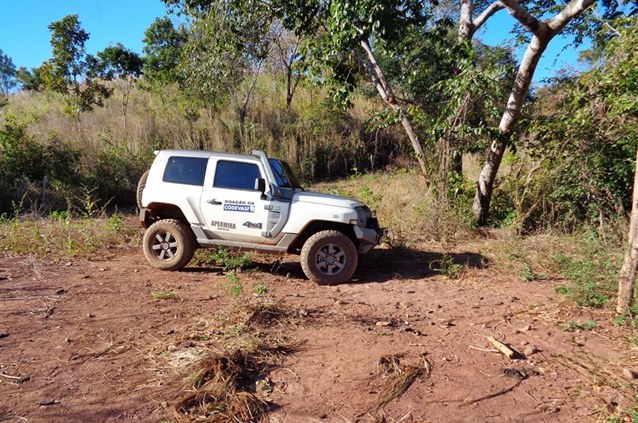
196,199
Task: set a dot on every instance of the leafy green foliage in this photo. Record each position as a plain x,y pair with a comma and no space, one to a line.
577,326
235,288
28,168
585,135
222,49
261,288
30,80
114,173
71,71
334,55
118,62
163,44
229,261
447,267
124,66
593,277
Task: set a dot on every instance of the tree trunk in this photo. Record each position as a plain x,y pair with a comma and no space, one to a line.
627,277
385,90
512,112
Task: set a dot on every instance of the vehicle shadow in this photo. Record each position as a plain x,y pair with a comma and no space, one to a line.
382,265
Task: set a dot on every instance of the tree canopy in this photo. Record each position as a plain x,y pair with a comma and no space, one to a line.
7,74
71,71
163,44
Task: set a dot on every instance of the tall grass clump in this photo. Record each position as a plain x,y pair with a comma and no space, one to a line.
592,274
404,204
61,236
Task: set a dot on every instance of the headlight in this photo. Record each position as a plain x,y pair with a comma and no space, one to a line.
363,214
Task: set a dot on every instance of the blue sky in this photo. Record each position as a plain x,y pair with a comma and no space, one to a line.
24,35
25,38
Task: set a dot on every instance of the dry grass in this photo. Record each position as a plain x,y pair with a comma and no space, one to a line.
399,376
225,364
219,390
403,204
316,140
540,256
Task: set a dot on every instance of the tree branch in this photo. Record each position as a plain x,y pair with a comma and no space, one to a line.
571,10
381,83
522,15
486,14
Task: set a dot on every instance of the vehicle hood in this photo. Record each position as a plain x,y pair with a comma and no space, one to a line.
326,199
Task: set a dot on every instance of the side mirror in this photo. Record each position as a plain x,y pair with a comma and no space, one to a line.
260,185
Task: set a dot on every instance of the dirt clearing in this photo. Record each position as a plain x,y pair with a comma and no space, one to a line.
113,340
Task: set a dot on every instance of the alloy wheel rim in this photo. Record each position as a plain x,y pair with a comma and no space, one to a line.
165,246
330,259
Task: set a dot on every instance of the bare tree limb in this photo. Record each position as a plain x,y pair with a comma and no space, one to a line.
522,15
543,32
380,80
569,12
486,14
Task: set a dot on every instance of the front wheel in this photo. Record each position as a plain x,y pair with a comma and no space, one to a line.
329,257
169,244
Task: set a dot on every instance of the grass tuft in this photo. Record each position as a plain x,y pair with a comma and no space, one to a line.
163,295
219,390
400,376
224,370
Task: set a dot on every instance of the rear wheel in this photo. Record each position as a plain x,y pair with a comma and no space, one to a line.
169,244
329,257
140,187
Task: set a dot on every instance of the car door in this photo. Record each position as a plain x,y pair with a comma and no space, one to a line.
234,210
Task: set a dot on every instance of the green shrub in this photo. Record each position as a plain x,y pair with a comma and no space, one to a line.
592,276
36,175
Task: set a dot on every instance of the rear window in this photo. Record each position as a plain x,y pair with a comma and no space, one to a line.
185,170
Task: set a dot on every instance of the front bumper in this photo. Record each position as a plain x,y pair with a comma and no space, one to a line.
368,237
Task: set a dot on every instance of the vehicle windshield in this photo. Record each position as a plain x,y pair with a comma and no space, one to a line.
283,174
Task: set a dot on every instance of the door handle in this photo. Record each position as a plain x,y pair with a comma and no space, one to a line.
214,202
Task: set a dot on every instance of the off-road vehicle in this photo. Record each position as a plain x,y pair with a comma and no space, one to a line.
196,199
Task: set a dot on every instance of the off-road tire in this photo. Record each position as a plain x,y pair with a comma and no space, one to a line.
140,187
329,258
169,244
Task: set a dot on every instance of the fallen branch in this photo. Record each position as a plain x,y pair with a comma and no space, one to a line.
502,347
83,358
496,394
482,349
19,379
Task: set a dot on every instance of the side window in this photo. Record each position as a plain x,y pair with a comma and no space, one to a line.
236,175
185,170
